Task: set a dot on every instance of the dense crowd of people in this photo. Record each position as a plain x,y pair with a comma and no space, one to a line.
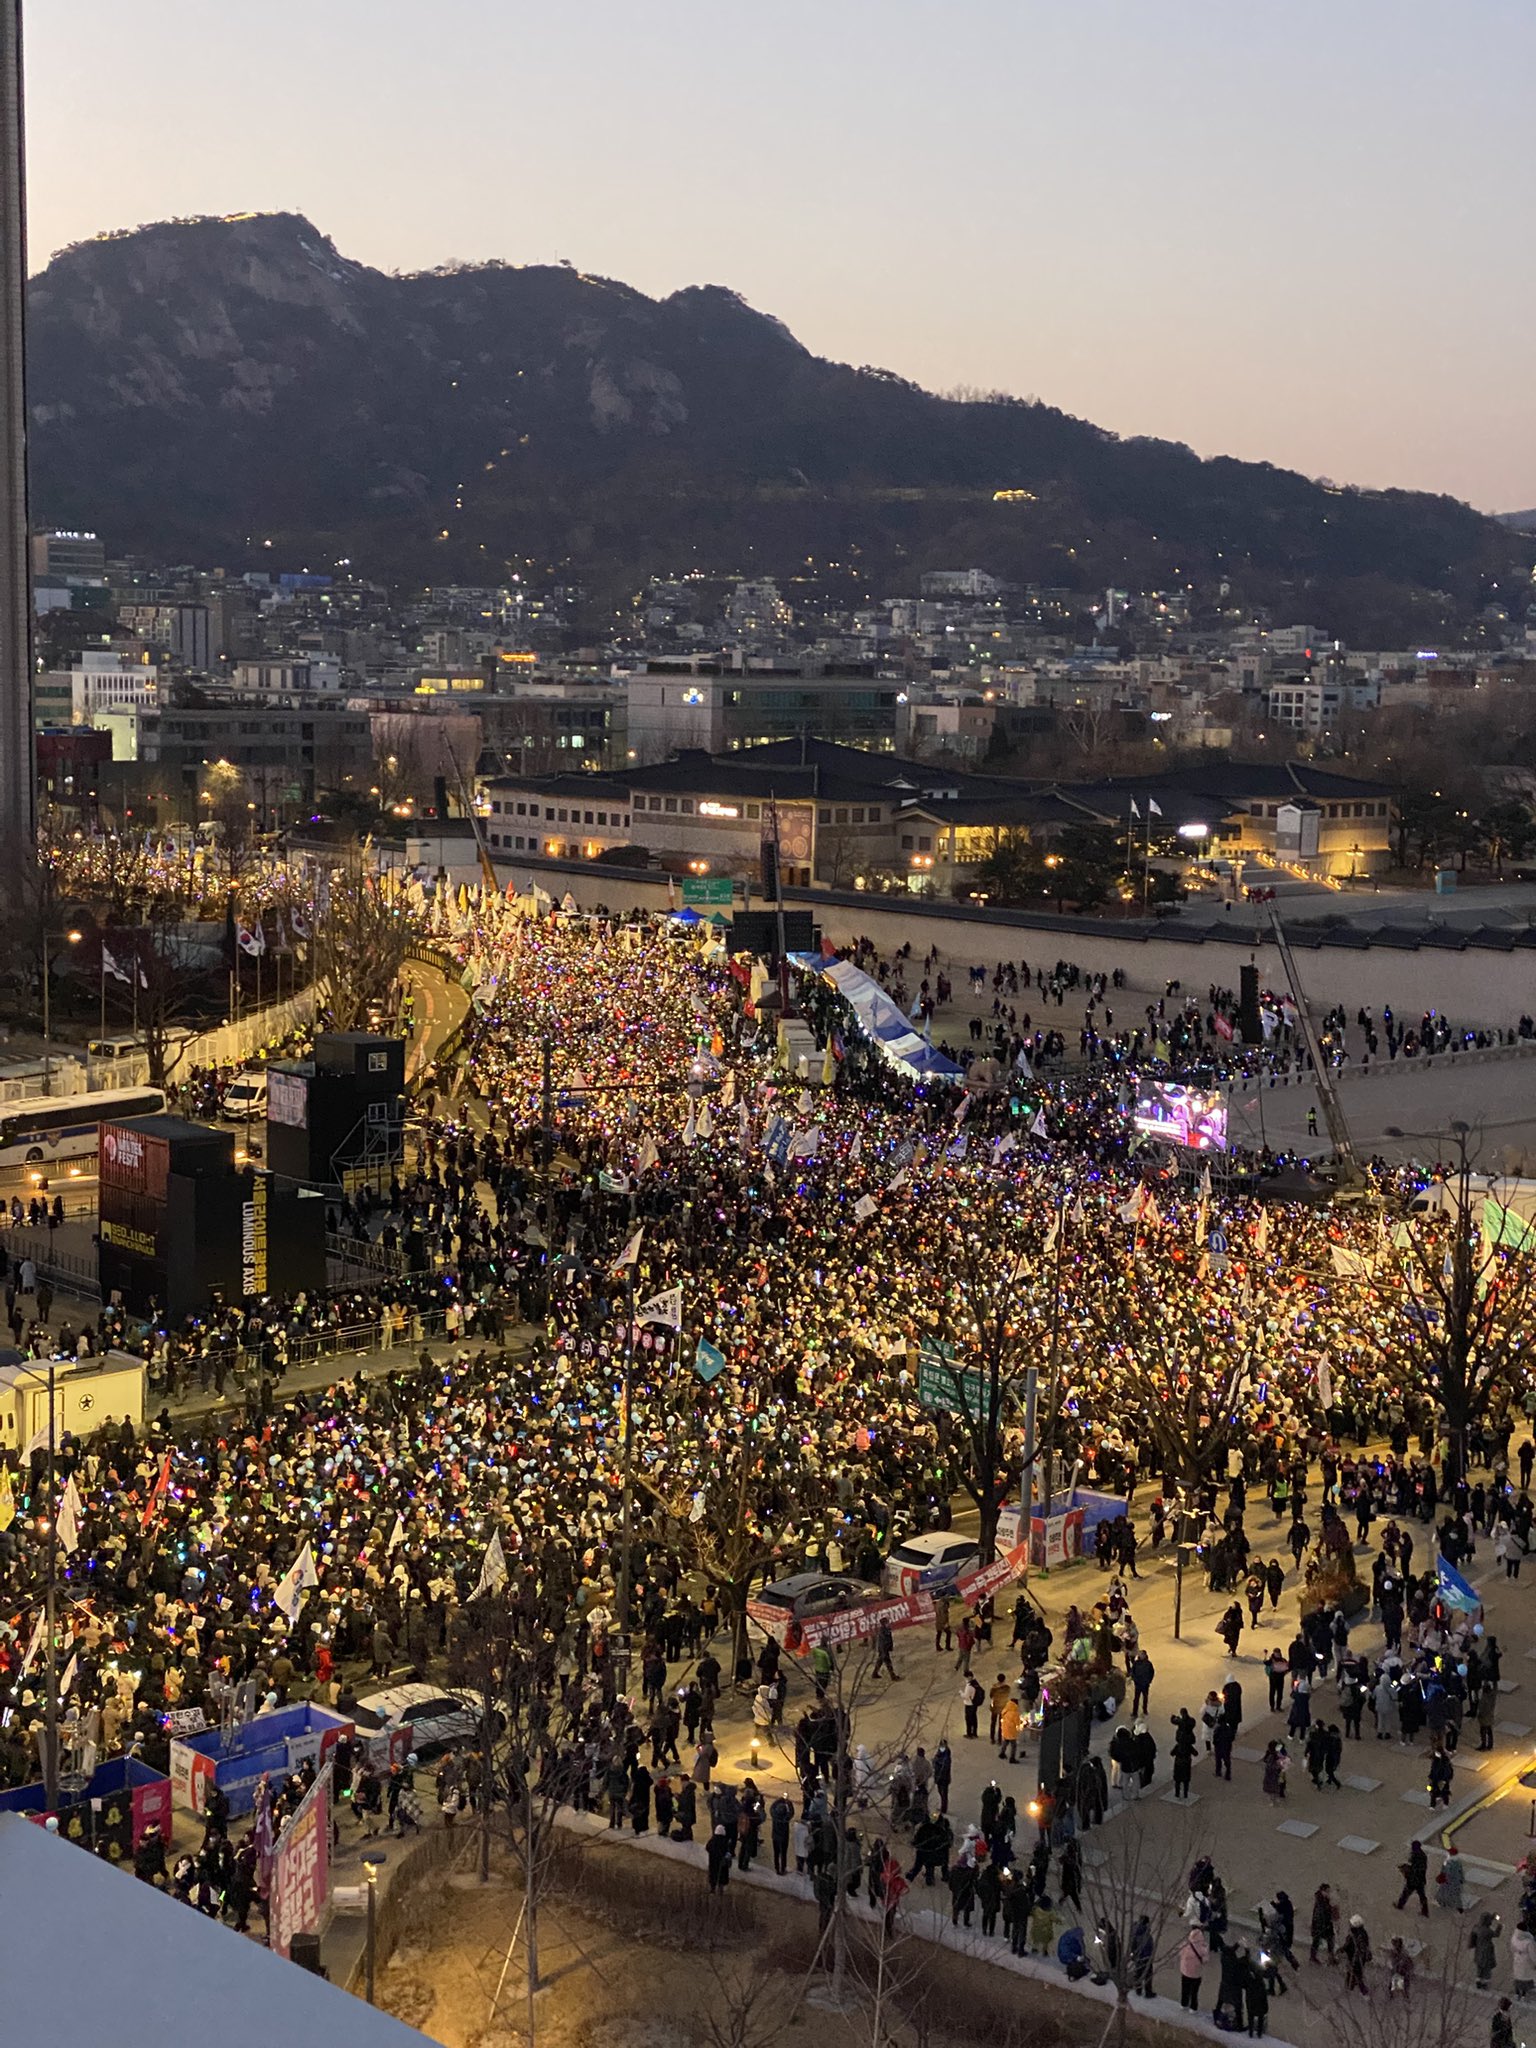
731,1275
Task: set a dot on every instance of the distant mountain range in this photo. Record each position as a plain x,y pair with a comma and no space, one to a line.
201,387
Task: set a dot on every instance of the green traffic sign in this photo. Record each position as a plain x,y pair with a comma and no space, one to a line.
705,889
940,1385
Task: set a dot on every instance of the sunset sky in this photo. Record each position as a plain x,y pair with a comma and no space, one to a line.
1304,233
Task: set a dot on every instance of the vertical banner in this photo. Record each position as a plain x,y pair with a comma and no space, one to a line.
301,1868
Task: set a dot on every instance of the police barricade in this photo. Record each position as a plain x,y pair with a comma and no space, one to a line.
237,1760
109,1812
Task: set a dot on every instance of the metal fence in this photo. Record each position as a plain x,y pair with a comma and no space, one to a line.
71,1273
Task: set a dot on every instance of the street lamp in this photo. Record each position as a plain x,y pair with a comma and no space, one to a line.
74,939
372,1858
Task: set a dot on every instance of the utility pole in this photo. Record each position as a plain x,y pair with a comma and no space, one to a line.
778,904
50,1605
547,1110
18,775
628,1456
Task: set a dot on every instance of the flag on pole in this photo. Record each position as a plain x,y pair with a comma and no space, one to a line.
295,1582
1154,808
1261,1233
705,1124
864,1208
649,1157
71,1514
1135,808
110,965
253,941
156,1492
493,1569
666,1307
1037,1129
396,1535
1202,1215
856,1149
1001,1147
708,1360
35,1645
1453,1590
630,1253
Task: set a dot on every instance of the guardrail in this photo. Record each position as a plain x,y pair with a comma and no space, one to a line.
365,1252
72,1273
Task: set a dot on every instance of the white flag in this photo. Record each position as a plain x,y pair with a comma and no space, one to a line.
1001,1147
1135,808
706,1123
38,1441
899,1181
71,1512
806,1144
110,966
856,1149
292,1586
864,1208
33,1647
68,1678
493,1569
728,1089
690,1131
666,1307
804,1105
396,1535
1154,808
630,1253
1037,1129
649,1157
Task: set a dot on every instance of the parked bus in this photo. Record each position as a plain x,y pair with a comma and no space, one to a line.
49,1128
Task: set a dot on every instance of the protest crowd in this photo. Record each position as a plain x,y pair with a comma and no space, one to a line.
722,1279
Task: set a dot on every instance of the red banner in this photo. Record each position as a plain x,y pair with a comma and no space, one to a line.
858,1624
301,1868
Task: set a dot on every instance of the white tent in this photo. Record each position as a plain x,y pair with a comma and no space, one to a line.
88,1953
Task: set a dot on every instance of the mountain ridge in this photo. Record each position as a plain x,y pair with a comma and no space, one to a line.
207,385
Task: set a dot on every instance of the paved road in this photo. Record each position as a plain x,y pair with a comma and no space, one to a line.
441,1006
1418,1100
1353,1838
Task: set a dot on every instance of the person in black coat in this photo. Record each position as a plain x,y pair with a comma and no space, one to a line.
962,1893
1183,1751
718,1857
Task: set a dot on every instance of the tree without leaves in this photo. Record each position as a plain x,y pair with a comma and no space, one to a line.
1139,1874
502,1667
1453,1306
361,936
998,1315
1175,1351
730,1497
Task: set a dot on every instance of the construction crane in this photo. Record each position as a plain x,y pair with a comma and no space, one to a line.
466,797
1349,1178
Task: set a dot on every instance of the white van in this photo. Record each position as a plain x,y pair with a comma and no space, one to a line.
245,1098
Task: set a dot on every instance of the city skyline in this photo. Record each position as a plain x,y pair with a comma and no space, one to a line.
1288,239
